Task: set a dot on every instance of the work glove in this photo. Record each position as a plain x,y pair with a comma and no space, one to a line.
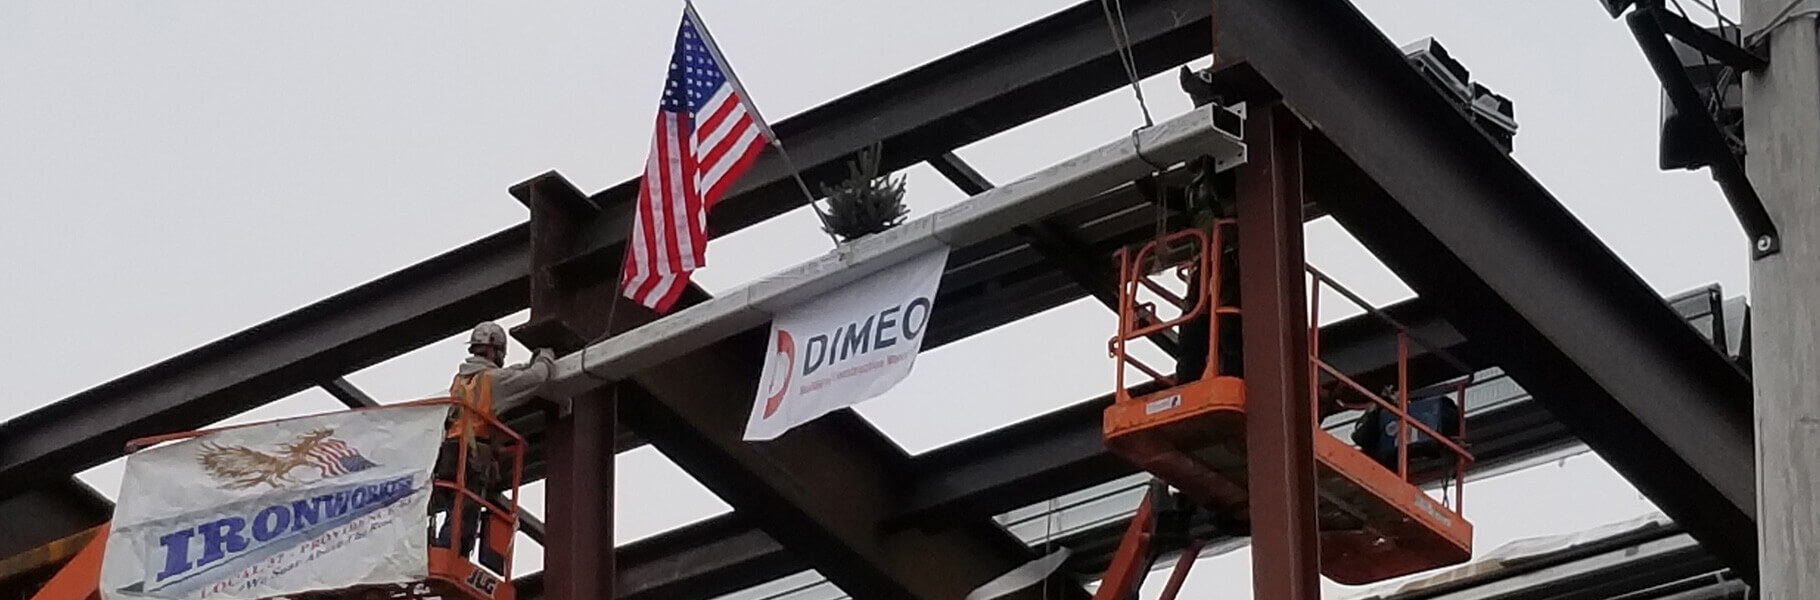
543,354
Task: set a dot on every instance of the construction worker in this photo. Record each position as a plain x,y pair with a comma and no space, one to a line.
486,387
510,386
1207,198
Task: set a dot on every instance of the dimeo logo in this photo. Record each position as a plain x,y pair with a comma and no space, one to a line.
901,323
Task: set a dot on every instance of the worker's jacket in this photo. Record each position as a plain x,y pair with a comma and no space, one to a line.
490,389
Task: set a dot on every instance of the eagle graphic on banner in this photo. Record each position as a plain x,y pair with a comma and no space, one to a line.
240,467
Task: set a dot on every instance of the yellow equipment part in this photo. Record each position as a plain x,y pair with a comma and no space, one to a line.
81,578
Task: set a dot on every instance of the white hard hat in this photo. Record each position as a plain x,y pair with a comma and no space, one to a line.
488,334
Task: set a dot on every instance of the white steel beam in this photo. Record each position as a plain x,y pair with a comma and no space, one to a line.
991,213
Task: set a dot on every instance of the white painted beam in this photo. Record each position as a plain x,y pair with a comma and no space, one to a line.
978,218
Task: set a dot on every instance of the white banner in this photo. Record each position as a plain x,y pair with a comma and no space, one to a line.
313,503
845,347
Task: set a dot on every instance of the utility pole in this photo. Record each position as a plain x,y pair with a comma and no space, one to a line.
1782,133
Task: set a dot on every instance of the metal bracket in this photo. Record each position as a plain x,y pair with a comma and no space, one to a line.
1652,26
1707,42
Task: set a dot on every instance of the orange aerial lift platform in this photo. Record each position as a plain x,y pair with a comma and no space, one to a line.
1375,521
451,573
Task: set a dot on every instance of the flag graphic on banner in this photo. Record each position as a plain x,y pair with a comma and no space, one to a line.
708,133
336,457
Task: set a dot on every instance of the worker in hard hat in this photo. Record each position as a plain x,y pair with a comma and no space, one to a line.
485,386
509,386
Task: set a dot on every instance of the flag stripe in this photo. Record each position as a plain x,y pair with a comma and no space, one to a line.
664,205
748,143
680,220
695,214
713,157
723,131
675,206
645,246
709,130
715,193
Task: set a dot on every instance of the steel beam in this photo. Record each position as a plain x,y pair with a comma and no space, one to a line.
708,559
343,334
820,491
1092,272
1464,225
1051,455
1623,566
1003,279
1028,462
39,516
1009,80
1013,467
975,220
1063,451
579,555
1286,555
1041,458
349,394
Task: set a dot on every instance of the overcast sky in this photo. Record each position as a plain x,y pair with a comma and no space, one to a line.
177,171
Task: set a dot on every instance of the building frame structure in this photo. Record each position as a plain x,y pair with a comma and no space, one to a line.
1401,169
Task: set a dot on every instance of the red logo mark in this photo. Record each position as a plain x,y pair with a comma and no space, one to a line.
787,346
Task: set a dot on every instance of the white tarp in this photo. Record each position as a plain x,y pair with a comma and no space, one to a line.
312,503
845,347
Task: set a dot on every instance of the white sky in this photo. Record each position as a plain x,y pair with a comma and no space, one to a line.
177,171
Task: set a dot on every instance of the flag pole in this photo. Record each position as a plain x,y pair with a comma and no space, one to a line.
758,119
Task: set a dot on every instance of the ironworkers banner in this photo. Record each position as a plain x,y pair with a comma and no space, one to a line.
845,347
280,508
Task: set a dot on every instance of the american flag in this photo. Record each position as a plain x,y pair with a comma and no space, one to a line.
336,458
708,133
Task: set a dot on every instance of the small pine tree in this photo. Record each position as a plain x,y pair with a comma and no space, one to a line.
864,203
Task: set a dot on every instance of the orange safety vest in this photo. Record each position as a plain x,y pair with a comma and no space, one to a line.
476,392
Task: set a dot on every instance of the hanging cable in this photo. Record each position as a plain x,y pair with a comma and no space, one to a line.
612,311
1712,79
1121,38
1049,536
1131,62
1215,13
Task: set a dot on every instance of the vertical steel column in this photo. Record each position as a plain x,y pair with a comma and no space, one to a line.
578,556
1285,552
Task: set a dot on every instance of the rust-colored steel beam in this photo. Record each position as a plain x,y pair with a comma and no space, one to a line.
578,555
1285,554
